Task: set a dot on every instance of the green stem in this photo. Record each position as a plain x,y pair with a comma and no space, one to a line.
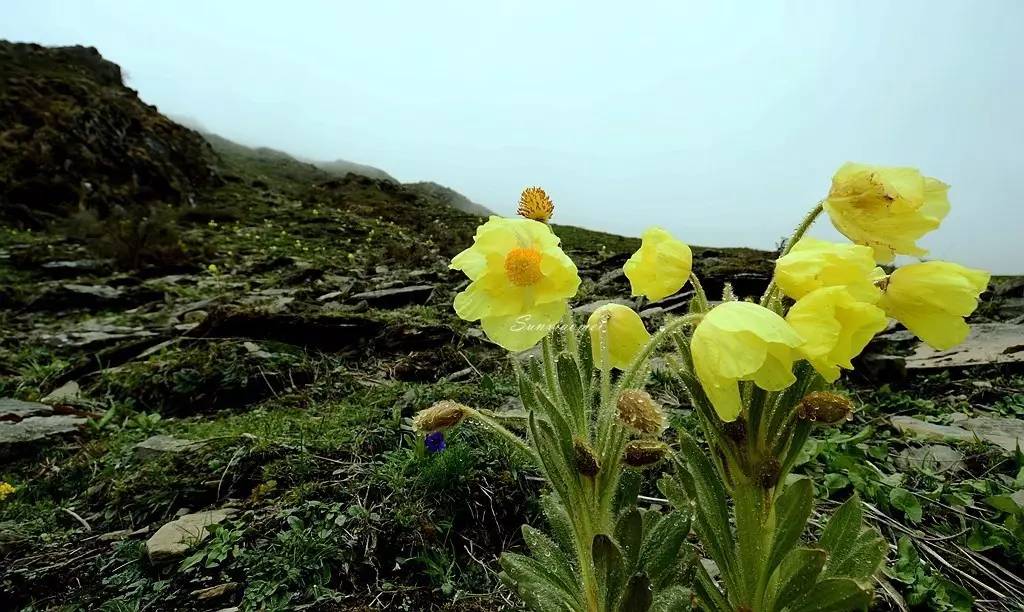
490,423
656,340
699,294
801,229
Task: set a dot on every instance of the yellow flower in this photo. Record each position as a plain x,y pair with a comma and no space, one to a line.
5,490
813,264
626,334
660,267
522,281
742,341
931,299
886,208
535,204
836,328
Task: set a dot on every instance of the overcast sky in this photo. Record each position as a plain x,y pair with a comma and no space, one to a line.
720,121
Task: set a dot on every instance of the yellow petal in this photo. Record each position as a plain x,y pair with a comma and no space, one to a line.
625,334
660,267
813,264
836,328
522,331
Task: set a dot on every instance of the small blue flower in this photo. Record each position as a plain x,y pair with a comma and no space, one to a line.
435,442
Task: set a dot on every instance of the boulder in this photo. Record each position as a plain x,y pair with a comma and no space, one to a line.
155,446
396,297
1004,432
15,410
935,458
68,393
175,538
988,343
16,436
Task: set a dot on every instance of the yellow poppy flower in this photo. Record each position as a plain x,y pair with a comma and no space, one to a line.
886,208
836,328
813,264
660,267
522,281
742,341
932,298
626,334
535,204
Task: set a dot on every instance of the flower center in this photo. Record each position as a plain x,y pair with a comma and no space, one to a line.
522,266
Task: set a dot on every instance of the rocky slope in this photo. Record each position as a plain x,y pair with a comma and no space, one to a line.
241,368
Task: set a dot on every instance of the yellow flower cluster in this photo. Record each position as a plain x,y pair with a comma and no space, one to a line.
522,282
5,490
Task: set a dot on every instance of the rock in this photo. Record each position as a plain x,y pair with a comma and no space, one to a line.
1005,432
68,393
588,309
1009,309
988,343
215,592
81,267
16,410
881,368
95,334
155,446
325,332
935,458
175,538
71,296
397,297
14,437
194,317
1011,288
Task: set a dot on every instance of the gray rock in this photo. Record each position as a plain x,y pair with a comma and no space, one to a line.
16,436
175,538
215,592
80,267
1004,432
397,297
156,446
1011,288
988,343
881,368
935,458
68,393
15,410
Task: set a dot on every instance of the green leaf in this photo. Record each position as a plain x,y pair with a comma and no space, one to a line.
834,595
586,364
535,585
638,596
662,544
792,510
676,598
862,560
711,508
843,527
797,574
609,568
673,490
559,521
707,592
545,550
627,491
629,532
571,384
1004,503
563,477
904,500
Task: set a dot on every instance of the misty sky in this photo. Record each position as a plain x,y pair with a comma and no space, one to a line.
719,121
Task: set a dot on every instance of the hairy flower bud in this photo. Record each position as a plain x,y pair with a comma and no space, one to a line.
824,407
644,453
736,430
638,410
768,473
584,458
439,417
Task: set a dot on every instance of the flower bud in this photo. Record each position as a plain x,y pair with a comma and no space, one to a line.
824,407
638,410
535,204
768,473
736,430
441,416
585,459
644,453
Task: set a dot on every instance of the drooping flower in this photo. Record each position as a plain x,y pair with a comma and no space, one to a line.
813,264
535,204
638,410
435,442
522,281
440,416
660,267
835,327
625,335
932,298
742,341
886,208
5,490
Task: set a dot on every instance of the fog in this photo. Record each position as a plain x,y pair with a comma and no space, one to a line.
722,122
